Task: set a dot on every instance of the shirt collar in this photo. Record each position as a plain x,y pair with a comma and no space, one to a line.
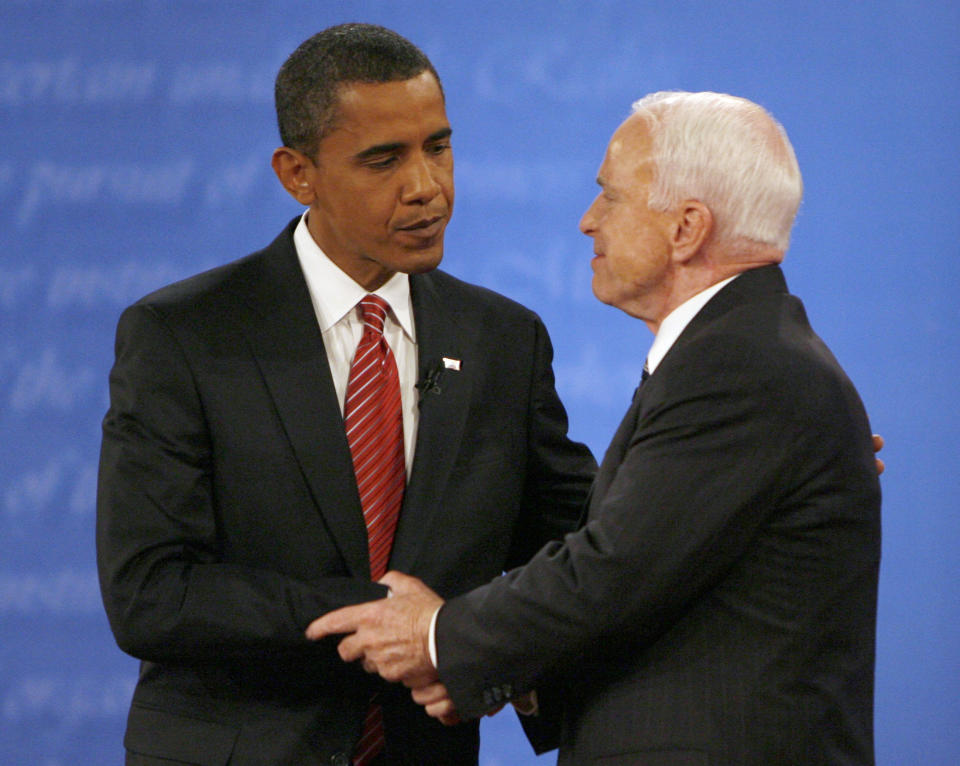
677,320
334,293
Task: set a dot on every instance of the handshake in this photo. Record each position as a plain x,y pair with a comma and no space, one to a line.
392,637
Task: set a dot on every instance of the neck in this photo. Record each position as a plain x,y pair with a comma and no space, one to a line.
712,264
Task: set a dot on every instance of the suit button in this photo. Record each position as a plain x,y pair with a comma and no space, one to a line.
497,694
487,698
339,759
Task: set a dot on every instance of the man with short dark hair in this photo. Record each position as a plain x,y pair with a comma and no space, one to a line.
718,606
249,480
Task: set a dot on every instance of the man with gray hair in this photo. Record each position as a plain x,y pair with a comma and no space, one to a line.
718,604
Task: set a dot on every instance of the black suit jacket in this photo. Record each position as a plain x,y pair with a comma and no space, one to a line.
228,514
718,606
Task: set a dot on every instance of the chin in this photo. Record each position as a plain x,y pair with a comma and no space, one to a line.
422,262
598,291
432,256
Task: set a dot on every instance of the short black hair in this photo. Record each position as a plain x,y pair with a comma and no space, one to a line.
308,84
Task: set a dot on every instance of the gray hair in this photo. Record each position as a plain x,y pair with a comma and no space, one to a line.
728,153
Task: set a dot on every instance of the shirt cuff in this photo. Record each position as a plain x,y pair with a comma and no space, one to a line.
432,638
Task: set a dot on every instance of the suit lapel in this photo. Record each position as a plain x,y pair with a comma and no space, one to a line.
441,332
284,337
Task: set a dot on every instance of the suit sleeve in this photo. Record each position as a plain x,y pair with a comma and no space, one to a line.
168,592
709,458
559,471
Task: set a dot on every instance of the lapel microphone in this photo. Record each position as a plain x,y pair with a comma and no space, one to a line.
430,383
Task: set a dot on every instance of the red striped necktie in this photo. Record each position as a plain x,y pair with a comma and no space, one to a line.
374,423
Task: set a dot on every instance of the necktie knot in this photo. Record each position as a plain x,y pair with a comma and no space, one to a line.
374,310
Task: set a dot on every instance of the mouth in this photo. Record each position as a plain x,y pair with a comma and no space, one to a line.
424,227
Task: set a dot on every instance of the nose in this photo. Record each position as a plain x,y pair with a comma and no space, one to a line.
588,223
420,185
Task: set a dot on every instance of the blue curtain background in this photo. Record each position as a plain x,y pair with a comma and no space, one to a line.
134,150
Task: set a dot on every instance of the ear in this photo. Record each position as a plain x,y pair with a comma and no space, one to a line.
296,172
691,230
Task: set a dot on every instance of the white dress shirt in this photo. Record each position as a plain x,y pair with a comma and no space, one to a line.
676,322
335,298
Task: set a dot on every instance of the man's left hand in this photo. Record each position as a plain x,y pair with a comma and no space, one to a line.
436,701
877,446
390,636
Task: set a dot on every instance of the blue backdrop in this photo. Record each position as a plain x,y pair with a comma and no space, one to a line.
135,139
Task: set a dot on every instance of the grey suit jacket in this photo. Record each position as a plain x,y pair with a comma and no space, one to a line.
718,605
228,515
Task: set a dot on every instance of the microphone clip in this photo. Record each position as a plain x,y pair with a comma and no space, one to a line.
430,383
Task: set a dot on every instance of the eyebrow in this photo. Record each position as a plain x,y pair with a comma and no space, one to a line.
439,135
379,149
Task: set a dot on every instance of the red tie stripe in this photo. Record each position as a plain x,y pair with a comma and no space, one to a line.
374,422
371,741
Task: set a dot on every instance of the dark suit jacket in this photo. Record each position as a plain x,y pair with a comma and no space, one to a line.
718,606
228,515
